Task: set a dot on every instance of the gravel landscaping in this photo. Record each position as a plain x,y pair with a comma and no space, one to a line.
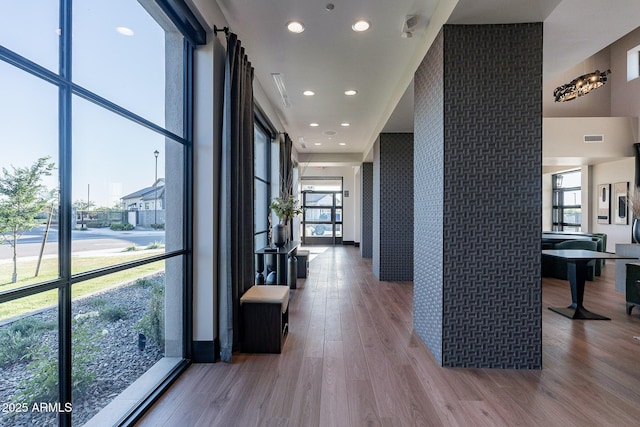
116,363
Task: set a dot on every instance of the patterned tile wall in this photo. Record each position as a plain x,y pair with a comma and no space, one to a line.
492,151
366,203
395,207
429,198
375,253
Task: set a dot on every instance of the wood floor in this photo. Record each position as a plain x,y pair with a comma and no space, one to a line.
351,359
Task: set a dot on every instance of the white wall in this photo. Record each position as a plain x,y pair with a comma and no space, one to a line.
610,173
351,204
209,66
564,138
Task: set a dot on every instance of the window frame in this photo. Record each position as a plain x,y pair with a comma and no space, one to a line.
193,34
269,132
558,204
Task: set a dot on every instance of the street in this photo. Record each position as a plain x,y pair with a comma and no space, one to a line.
93,239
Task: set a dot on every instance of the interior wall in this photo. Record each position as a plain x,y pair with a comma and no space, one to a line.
209,71
366,209
625,95
610,173
393,208
357,209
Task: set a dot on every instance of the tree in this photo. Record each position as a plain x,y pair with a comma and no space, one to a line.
22,198
83,205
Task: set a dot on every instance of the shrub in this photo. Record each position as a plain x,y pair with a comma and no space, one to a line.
152,323
17,339
121,226
157,226
132,248
42,385
97,302
155,245
144,283
114,313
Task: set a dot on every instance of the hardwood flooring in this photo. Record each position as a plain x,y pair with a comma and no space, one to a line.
351,359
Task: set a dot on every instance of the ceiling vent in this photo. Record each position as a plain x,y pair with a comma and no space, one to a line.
593,139
282,90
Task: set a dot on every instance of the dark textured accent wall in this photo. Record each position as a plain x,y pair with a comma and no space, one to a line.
478,190
393,207
428,196
366,204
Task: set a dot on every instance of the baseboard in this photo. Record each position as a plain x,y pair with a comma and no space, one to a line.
356,244
348,242
206,351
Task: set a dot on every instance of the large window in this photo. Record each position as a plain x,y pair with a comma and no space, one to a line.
567,200
94,208
261,185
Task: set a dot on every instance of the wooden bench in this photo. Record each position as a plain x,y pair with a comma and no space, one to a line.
265,318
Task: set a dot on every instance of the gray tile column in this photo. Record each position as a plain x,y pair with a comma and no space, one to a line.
366,204
478,151
393,207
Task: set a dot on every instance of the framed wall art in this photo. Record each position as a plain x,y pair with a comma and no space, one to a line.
620,205
604,204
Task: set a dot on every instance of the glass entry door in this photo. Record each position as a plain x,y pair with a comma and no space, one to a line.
321,217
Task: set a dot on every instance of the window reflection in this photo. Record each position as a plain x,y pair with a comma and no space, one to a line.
130,69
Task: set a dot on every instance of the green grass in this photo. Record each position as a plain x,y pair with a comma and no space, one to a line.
49,271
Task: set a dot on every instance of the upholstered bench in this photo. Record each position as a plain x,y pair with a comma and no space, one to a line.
265,318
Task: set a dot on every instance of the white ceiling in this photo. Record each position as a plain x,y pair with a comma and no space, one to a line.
329,57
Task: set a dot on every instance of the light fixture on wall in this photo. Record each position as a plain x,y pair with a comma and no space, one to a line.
580,86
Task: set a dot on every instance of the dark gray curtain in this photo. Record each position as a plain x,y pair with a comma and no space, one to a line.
235,247
286,165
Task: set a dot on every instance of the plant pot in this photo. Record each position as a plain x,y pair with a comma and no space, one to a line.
279,235
635,230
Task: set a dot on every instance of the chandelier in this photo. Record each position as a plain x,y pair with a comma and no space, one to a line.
580,86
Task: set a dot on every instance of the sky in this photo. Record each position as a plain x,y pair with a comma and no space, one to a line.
112,156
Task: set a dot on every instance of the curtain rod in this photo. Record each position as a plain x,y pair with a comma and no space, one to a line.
225,29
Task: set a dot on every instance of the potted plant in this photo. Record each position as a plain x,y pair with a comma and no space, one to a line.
285,208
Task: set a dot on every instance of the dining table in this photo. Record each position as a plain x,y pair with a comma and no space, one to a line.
577,267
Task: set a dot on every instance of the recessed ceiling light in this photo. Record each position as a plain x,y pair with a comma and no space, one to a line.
345,124
329,7
125,31
342,143
361,25
317,143
295,26
314,124
350,92
330,132
308,93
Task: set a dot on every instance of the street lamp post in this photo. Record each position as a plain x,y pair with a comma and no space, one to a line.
155,202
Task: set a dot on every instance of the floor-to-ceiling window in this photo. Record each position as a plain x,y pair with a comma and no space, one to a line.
261,184
567,199
94,207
